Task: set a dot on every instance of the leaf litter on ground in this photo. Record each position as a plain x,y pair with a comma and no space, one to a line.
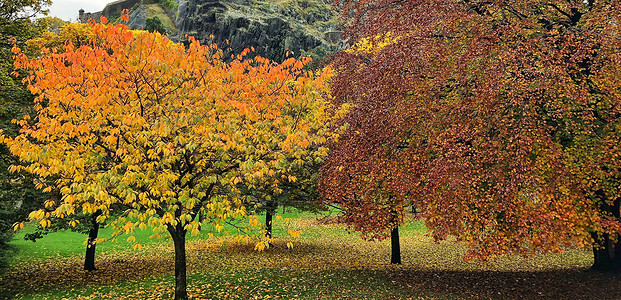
325,262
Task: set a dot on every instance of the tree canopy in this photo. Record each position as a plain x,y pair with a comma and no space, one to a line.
498,118
134,123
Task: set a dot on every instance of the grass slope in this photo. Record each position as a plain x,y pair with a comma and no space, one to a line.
155,10
326,262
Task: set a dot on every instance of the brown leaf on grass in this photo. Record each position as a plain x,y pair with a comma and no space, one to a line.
325,261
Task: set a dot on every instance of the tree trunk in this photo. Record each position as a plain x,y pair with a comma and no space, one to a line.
606,252
269,214
89,259
395,257
181,286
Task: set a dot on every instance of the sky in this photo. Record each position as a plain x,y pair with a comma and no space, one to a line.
68,9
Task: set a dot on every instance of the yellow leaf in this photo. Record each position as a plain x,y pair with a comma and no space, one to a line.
260,246
294,233
17,226
45,223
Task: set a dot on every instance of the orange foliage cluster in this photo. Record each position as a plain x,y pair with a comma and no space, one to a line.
162,134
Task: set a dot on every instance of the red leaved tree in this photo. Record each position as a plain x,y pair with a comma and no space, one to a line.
498,118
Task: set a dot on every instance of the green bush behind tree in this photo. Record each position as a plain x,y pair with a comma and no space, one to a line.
17,193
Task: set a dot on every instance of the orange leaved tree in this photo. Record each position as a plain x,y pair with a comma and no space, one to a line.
163,133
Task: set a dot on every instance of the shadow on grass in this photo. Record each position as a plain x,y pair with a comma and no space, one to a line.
558,284
400,282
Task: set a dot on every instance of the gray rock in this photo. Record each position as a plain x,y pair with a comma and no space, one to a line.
181,11
274,29
138,17
272,33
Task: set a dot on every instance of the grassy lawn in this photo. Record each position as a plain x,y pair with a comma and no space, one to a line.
325,262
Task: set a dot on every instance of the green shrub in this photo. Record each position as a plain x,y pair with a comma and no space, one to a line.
155,24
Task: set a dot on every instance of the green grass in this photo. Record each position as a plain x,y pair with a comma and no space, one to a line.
66,243
325,262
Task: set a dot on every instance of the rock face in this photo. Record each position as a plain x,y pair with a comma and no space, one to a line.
295,27
138,17
112,9
275,28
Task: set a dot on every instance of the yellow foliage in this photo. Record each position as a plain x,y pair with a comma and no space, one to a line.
44,223
294,233
262,245
18,226
253,222
373,45
162,131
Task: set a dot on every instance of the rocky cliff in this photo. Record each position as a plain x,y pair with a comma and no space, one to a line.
275,28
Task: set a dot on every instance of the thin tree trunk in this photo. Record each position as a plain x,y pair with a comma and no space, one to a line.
89,259
269,214
395,257
395,245
181,285
268,223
